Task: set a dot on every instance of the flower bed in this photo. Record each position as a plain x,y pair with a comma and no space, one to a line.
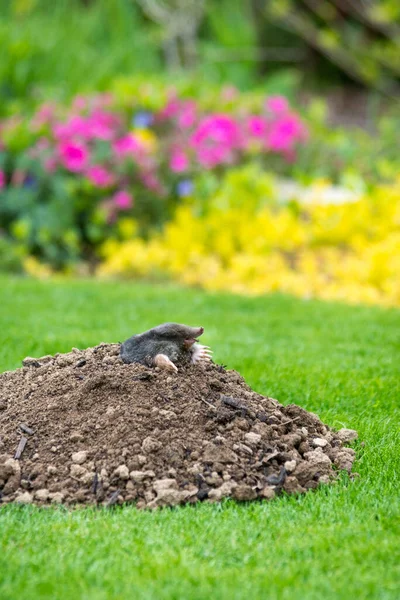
69,175
250,242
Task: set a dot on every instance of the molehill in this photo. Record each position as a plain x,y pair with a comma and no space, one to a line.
85,428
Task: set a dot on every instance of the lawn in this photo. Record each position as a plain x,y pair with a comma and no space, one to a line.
341,541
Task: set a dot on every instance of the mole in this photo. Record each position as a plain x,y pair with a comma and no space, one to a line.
166,346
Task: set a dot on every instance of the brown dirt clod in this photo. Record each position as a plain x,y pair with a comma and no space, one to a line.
103,432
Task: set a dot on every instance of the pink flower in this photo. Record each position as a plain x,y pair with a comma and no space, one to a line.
76,126
277,104
104,99
171,109
99,176
44,115
285,133
215,140
257,126
122,200
179,161
127,145
46,111
220,129
187,116
74,156
101,125
79,102
183,111
2,179
152,182
211,157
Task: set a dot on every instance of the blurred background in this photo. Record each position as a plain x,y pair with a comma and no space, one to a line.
249,146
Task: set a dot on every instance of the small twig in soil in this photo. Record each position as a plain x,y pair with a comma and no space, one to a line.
26,429
273,401
270,456
20,447
208,404
290,421
113,498
95,483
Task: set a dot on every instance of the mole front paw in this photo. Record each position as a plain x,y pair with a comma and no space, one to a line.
162,361
200,353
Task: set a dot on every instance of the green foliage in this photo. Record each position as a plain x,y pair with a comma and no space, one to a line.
151,92
338,542
11,255
70,46
232,37
339,152
360,39
61,48
44,218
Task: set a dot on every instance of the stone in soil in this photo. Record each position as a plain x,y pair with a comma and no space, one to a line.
103,432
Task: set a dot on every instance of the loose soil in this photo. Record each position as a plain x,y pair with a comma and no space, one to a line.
85,428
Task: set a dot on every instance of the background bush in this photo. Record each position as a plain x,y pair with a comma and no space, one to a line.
72,46
257,235
69,174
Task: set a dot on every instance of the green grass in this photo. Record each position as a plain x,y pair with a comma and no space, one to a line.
342,541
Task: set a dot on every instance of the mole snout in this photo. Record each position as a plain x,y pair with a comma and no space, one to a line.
188,342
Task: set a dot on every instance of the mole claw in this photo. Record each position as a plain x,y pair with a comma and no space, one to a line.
162,361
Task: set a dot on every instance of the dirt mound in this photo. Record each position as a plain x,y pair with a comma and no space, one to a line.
85,428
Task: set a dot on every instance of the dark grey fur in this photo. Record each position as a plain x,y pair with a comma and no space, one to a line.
168,339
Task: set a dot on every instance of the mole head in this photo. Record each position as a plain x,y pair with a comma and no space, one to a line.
183,334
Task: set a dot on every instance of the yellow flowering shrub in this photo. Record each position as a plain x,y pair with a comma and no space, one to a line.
36,269
348,251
